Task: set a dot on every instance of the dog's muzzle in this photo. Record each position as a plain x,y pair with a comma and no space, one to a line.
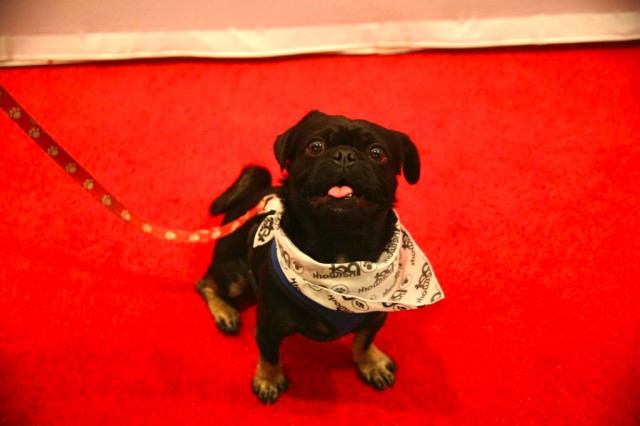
344,157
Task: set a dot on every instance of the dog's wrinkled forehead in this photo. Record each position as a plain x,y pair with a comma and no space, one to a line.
336,130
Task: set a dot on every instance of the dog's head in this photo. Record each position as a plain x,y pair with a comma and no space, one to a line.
342,169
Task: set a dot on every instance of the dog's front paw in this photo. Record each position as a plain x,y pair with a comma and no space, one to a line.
378,375
268,383
268,392
376,368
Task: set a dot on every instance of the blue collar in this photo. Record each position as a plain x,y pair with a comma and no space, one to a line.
340,323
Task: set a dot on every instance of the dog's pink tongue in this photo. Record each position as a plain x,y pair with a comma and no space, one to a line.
340,191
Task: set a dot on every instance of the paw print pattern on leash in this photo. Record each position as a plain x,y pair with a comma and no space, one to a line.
34,132
53,150
88,184
71,168
14,113
38,135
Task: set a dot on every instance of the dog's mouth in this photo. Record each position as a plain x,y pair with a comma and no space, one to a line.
342,192
342,196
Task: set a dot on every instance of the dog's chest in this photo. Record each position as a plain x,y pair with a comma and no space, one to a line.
341,258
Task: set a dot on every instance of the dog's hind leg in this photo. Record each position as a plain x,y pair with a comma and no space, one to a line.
375,367
226,316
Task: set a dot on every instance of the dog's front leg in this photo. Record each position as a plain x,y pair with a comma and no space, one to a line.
375,367
269,380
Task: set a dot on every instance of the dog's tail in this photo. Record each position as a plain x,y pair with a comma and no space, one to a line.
252,181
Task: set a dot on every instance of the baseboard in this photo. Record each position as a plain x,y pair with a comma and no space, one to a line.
371,38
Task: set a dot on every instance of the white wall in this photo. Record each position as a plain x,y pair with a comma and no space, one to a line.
40,31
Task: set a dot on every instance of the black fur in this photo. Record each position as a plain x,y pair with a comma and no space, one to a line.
355,228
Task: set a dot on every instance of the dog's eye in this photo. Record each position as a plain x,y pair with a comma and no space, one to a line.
377,154
315,147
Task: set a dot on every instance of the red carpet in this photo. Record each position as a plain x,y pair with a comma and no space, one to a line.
528,209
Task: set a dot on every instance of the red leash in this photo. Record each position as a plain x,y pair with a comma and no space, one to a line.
37,134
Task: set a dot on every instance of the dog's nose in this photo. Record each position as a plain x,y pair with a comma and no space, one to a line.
344,157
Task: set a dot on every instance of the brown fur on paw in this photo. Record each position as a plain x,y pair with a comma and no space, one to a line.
375,368
380,376
226,316
269,382
228,322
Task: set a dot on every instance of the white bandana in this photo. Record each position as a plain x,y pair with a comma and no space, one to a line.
401,279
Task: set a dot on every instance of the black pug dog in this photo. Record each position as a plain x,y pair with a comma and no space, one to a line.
338,195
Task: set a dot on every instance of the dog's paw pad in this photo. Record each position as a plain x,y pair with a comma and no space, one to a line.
267,391
380,375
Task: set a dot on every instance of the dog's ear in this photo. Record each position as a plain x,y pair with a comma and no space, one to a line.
284,147
410,158
281,148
